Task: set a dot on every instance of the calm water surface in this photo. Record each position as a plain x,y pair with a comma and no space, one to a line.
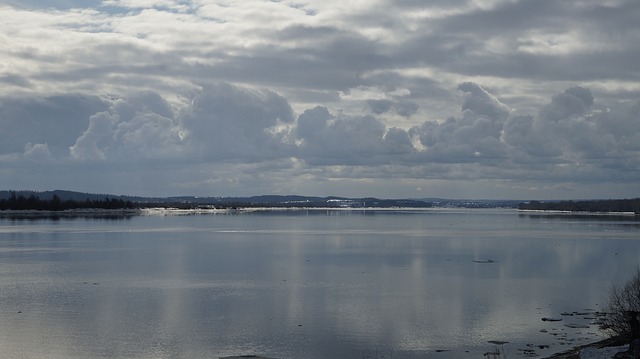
307,284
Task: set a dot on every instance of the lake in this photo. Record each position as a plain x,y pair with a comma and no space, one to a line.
437,283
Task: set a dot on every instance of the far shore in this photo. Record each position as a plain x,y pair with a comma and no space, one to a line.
81,212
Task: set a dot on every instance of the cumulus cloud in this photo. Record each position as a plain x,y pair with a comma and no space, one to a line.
572,138
476,136
380,106
572,102
326,139
402,108
92,143
37,152
529,139
220,122
229,122
576,137
57,120
482,103
149,135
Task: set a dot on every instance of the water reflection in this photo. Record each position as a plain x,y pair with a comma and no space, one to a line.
32,216
600,218
298,284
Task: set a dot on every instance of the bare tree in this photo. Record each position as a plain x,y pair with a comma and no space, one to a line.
622,301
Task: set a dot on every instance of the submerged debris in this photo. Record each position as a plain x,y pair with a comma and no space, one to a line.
545,319
484,261
577,326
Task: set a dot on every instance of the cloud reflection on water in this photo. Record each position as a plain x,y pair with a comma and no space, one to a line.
304,284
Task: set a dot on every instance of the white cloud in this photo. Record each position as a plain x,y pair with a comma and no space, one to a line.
476,136
326,139
364,93
37,152
92,143
482,103
530,139
572,102
144,4
149,135
572,140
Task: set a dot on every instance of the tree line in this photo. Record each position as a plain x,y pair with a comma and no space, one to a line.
21,203
610,205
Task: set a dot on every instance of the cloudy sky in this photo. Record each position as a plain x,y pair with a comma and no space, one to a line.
520,99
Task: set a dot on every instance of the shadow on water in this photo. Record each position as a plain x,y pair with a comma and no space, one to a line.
586,216
33,216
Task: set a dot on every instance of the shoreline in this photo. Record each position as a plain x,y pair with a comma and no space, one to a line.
601,344
165,211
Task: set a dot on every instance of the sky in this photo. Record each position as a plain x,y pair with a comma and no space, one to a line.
477,99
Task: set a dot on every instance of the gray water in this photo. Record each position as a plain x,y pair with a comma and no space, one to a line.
308,284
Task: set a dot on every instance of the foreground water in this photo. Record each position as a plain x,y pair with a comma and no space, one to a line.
308,284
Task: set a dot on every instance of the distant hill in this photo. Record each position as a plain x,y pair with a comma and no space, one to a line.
82,200
290,201
472,203
297,201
